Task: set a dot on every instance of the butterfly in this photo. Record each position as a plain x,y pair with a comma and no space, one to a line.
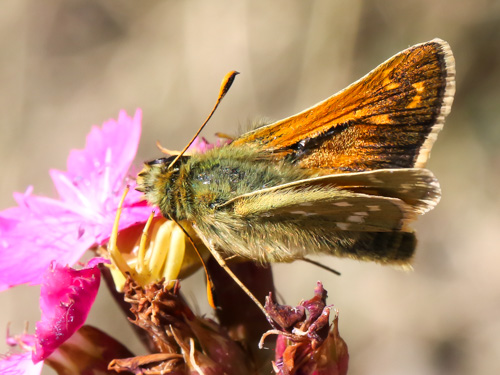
344,177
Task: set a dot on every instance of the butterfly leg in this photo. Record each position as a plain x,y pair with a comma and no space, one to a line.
226,268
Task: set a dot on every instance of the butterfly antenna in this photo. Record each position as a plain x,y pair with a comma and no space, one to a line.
224,88
210,284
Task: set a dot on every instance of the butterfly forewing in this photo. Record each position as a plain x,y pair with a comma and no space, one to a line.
387,119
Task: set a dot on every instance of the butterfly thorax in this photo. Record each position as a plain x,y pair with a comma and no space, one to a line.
198,184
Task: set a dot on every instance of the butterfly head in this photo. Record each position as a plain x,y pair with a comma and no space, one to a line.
157,181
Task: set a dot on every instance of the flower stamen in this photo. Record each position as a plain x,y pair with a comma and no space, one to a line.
162,252
114,254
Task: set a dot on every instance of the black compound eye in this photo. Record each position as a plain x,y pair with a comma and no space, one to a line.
167,160
158,161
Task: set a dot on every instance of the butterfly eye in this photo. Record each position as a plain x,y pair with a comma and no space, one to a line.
159,161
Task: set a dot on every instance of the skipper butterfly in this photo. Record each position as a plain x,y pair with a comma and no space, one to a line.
344,177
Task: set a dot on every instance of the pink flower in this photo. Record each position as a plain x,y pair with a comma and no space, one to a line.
65,300
40,229
66,297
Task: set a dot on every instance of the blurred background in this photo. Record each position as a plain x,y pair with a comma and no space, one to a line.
68,64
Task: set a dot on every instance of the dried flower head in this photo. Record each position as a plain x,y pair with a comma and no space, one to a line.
307,343
184,343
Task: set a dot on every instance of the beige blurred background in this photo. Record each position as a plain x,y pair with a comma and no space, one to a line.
66,65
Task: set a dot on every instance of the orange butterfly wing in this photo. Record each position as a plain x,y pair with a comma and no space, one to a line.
388,119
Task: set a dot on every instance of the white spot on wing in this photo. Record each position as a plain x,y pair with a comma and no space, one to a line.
304,213
373,208
343,226
374,179
355,219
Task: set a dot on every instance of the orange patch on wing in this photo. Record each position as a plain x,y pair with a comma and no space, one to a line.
381,119
390,84
417,99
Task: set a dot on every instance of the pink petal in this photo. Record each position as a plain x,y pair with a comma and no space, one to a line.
97,175
33,235
65,300
135,210
24,341
98,171
19,364
200,145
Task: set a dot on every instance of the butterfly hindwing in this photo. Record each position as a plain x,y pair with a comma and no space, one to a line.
416,187
382,200
310,216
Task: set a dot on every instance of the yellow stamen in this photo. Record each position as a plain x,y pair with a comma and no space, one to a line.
160,249
114,253
142,246
175,258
